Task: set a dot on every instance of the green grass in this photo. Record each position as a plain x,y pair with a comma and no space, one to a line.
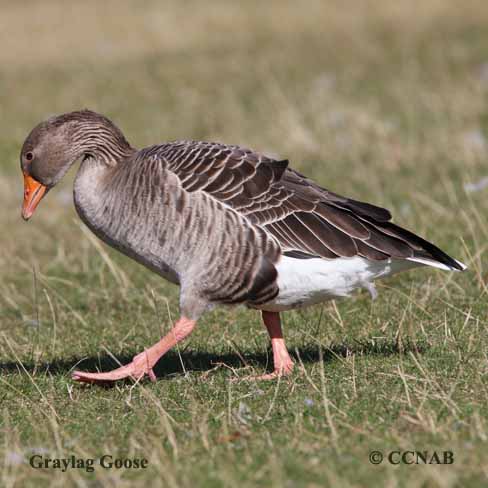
381,101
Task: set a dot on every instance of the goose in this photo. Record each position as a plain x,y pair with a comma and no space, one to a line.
229,225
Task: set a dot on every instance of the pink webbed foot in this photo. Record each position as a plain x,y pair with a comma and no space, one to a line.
137,369
283,364
284,369
143,363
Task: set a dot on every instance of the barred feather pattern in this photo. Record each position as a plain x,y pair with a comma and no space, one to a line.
214,218
306,219
214,253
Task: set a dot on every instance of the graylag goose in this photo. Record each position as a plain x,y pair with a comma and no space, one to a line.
228,225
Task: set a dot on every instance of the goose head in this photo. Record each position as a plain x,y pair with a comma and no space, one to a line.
54,145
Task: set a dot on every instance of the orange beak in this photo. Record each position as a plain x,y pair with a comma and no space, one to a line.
33,193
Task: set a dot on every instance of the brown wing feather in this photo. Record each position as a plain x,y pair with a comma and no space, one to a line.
306,219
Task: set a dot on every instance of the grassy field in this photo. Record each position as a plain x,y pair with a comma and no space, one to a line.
378,100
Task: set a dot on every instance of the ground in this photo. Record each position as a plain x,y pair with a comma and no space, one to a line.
381,101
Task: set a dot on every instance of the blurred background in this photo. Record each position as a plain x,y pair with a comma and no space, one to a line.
390,94
379,100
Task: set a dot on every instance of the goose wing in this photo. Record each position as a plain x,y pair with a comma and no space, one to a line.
306,219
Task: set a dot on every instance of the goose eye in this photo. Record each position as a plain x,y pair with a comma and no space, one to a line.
29,156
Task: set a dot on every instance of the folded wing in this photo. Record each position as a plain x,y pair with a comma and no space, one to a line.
307,220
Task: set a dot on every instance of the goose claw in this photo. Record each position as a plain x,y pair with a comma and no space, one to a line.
135,370
285,370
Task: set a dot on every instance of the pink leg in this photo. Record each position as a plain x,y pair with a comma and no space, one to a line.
283,364
144,362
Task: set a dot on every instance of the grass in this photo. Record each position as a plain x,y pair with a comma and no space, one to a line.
381,101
